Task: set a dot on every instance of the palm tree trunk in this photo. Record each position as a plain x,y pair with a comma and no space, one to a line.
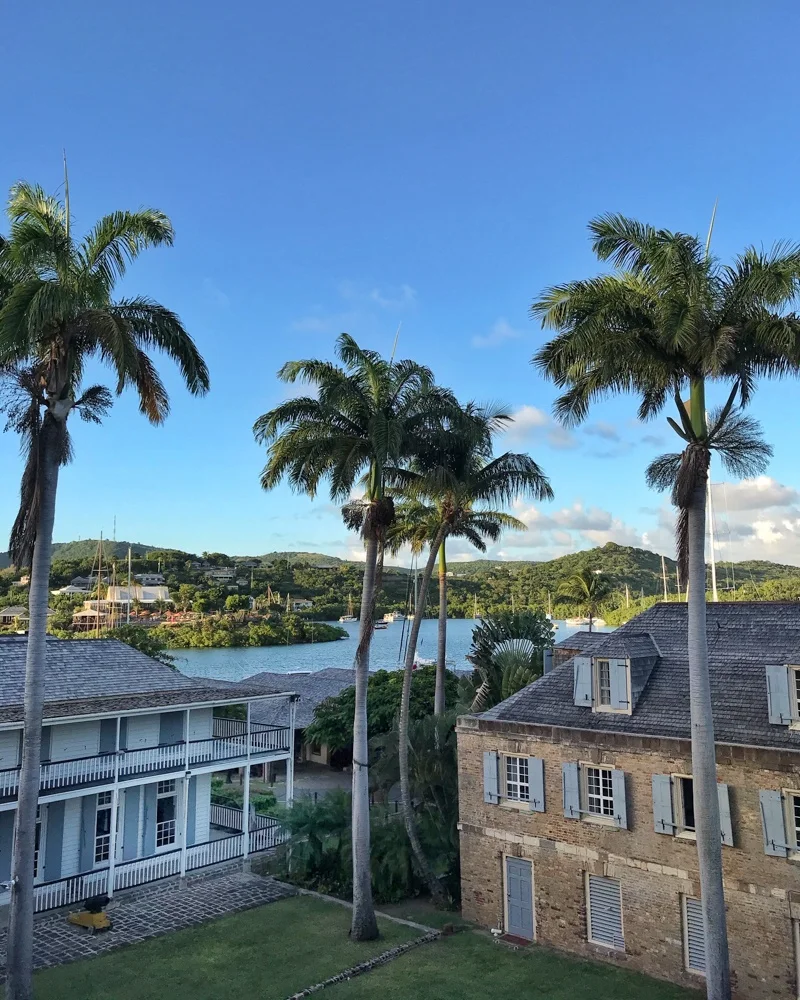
20,924
409,819
364,926
704,768
441,649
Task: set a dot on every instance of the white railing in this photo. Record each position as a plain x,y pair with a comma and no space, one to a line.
69,890
267,837
158,866
230,818
228,745
215,851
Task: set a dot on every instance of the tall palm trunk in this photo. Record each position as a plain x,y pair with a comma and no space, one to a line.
441,649
704,765
20,925
364,926
409,819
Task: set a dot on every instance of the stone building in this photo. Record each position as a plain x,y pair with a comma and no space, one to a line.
576,803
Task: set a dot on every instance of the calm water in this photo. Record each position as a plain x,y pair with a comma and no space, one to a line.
235,664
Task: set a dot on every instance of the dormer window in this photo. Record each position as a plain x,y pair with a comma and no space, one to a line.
602,684
783,694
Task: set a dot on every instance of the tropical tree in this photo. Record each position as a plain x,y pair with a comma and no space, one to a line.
368,414
507,654
57,314
457,479
589,587
671,319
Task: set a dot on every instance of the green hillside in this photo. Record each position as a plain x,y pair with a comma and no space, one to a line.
308,558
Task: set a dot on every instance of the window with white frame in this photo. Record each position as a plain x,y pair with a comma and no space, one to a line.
604,911
793,803
37,843
796,937
603,674
517,779
102,828
166,813
794,675
599,791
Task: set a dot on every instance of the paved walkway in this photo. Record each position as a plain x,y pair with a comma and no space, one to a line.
156,910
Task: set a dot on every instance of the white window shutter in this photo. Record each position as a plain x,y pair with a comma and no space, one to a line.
536,783
570,780
620,805
726,827
778,699
618,670
582,681
772,819
663,815
605,911
695,934
491,792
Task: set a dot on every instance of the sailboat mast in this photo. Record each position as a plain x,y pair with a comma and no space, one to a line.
664,578
714,593
128,617
627,596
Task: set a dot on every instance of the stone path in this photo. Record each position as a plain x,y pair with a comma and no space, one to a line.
159,909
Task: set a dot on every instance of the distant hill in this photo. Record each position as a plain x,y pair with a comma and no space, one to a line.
310,558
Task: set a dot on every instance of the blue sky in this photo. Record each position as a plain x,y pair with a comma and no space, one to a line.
353,166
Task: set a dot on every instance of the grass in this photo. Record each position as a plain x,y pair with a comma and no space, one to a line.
266,953
470,966
276,950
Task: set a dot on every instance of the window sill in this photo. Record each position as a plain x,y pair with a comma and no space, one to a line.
611,711
600,821
515,805
607,946
686,835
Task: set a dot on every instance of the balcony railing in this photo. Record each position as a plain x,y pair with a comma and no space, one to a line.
227,743
77,888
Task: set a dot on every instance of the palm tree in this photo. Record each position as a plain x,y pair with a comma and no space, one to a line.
57,314
671,319
589,587
368,414
460,487
507,654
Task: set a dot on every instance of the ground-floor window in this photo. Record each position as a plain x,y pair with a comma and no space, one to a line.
166,813
604,911
694,937
102,828
796,935
38,842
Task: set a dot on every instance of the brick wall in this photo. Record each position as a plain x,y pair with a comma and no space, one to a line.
654,870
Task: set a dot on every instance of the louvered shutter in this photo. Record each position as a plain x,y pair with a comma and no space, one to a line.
490,777
725,825
663,816
695,934
570,781
605,911
536,783
618,673
778,694
772,819
582,681
620,803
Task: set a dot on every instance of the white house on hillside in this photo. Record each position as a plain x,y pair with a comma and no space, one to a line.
129,747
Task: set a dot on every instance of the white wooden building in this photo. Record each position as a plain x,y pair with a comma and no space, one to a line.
129,747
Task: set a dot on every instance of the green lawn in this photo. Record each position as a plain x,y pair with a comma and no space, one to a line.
471,966
265,954
276,950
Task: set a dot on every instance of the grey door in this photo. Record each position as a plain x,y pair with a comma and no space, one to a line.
519,898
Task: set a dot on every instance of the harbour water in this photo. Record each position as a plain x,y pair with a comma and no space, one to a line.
236,664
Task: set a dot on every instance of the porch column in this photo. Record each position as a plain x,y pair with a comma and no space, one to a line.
290,760
246,808
183,818
112,848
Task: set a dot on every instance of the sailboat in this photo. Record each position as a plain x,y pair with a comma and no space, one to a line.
349,618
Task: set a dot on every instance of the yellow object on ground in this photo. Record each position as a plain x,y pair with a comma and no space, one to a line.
94,921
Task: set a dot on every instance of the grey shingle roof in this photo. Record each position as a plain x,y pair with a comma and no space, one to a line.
742,638
89,676
622,644
312,687
582,641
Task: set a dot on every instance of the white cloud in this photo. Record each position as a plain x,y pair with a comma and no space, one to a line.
760,493
532,424
399,297
499,333
603,429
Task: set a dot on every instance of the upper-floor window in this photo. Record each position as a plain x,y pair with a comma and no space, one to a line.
603,675
684,803
783,694
674,807
102,834
599,791
602,684
517,779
